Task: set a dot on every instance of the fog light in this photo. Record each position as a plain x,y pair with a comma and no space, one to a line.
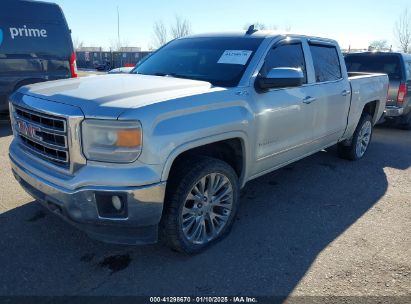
111,205
116,201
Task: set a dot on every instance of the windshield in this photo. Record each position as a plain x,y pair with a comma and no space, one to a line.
220,61
388,64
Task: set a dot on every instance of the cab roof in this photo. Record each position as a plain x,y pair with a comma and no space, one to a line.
258,34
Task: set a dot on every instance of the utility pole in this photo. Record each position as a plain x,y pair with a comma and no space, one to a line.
118,27
118,34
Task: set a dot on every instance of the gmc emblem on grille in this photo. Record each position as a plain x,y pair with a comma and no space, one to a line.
28,130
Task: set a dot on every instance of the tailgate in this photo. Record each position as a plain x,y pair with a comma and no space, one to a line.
393,92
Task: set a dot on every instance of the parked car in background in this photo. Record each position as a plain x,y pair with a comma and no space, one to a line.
102,66
164,150
123,70
35,45
398,68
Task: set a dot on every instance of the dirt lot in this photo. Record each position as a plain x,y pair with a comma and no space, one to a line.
322,226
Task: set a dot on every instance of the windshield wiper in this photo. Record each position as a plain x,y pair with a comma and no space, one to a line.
175,75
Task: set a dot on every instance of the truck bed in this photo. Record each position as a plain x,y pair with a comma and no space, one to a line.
361,74
366,87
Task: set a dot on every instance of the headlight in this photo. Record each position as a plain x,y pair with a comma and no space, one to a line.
112,141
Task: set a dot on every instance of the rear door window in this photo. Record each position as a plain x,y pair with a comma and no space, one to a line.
408,66
326,62
387,64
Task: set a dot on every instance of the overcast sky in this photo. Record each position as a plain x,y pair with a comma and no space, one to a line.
352,22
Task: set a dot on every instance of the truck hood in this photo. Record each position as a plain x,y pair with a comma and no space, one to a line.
108,96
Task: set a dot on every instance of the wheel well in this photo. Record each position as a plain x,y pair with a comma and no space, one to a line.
229,151
370,108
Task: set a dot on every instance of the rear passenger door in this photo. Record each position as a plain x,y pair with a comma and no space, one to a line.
332,94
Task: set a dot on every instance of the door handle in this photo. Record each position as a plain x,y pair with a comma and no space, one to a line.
345,92
309,99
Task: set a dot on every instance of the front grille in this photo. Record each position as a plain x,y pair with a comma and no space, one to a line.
45,120
43,135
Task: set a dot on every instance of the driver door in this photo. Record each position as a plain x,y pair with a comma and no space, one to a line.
284,116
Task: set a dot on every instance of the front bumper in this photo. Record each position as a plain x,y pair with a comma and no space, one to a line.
144,207
393,111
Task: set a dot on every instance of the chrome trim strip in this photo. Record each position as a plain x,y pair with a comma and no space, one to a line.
52,131
45,117
40,126
64,137
47,156
73,116
44,143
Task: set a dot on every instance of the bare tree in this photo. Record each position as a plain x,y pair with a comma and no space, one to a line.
379,45
160,34
77,43
262,26
180,28
402,31
116,45
257,25
151,48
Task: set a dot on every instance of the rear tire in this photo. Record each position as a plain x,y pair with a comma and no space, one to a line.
201,204
360,141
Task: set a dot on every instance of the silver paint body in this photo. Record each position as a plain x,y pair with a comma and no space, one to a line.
275,128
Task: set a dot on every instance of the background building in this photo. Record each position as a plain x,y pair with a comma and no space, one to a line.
96,58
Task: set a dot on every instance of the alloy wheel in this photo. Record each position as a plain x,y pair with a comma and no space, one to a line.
207,208
364,137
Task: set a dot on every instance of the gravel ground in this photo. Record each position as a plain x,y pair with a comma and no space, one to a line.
320,227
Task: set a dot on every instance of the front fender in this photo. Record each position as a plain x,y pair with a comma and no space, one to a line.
174,126
209,140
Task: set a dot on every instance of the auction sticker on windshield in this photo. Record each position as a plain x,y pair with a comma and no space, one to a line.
235,57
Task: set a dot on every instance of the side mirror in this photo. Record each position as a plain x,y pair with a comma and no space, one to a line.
281,78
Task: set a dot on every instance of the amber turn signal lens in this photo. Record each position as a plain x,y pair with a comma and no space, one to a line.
128,138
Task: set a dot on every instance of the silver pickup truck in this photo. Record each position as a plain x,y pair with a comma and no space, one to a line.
164,151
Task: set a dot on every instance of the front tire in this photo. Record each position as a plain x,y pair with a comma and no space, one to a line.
201,204
360,141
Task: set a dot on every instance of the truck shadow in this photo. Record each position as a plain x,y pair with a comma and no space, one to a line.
285,220
5,129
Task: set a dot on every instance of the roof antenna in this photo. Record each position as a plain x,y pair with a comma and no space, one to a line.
251,30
